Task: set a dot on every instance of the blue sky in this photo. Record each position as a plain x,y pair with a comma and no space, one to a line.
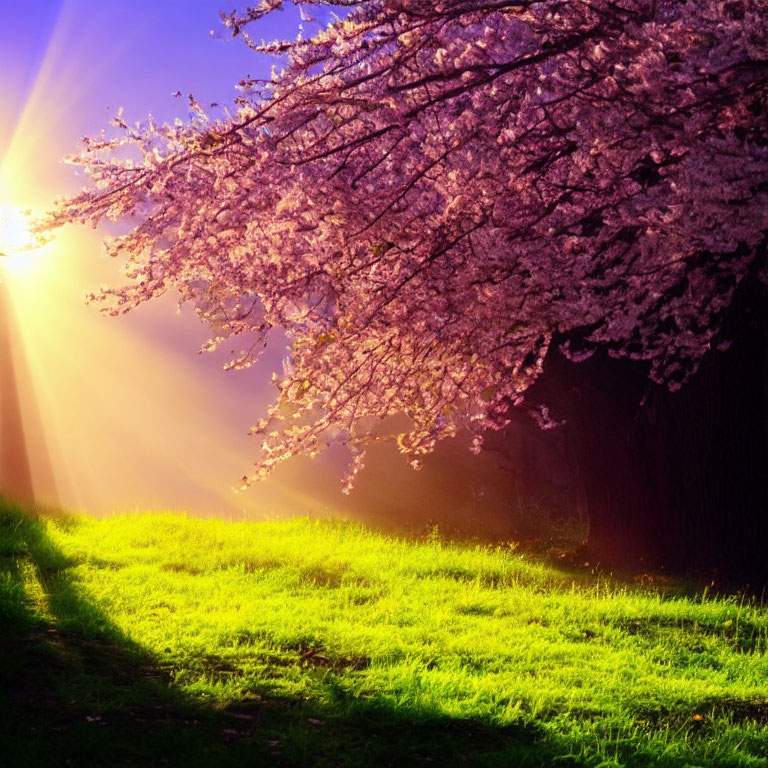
134,54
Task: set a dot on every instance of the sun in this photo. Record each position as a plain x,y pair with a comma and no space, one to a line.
19,247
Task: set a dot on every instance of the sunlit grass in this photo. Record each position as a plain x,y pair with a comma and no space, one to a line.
476,654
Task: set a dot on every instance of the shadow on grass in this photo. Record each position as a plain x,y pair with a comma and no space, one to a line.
75,691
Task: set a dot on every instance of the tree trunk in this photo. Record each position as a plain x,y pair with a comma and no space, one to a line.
599,401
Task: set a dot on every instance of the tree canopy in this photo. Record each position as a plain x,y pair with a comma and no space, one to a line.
431,193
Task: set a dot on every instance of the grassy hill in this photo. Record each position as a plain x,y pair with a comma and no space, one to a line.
166,640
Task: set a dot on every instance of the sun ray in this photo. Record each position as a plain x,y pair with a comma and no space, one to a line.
117,413
60,87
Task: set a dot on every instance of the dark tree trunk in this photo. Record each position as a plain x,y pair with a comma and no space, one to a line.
681,480
599,401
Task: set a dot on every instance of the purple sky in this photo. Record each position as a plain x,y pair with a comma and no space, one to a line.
131,54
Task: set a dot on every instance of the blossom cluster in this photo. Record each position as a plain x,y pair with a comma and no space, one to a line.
432,191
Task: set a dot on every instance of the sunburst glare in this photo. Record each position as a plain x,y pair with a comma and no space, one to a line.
20,249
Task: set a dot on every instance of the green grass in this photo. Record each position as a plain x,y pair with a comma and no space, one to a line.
167,640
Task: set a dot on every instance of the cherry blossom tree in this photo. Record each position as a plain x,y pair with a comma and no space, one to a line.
430,194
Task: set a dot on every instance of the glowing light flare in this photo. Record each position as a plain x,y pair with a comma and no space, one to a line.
127,419
20,248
